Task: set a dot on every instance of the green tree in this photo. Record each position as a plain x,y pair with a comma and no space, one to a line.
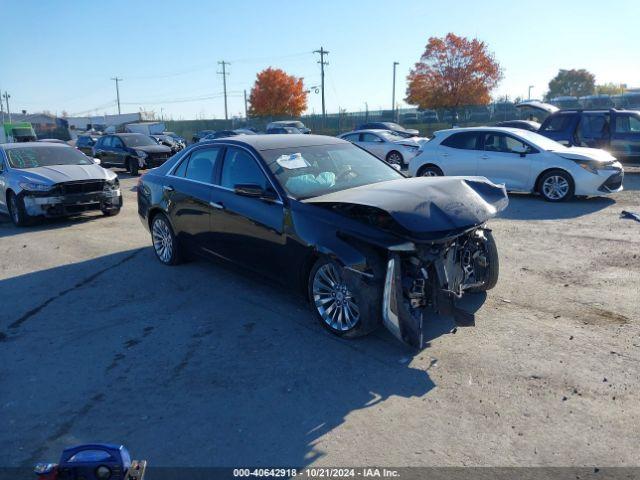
573,83
611,88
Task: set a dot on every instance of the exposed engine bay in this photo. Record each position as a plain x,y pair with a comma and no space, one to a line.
430,279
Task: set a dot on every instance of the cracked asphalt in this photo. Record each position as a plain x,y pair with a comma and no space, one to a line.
208,365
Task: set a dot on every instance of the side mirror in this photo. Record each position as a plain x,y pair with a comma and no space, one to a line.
255,191
97,161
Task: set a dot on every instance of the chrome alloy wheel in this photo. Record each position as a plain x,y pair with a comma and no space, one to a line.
429,173
333,300
555,187
162,239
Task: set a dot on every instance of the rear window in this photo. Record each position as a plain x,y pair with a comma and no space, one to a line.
557,123
463,140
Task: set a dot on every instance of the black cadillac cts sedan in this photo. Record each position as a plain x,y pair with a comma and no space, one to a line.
367,245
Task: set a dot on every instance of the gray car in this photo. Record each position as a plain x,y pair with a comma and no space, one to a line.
385,144
40,179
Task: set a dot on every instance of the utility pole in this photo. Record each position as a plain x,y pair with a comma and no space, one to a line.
6,99
322,63
116,79
224,85
393,95
530,87
246,117
1,108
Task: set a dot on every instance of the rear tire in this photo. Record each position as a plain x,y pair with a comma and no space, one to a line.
395,158
132,166
431,171
165,244
17,211
337,296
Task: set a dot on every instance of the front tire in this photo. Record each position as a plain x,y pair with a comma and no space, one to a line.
345,305
556,186
17,210
395,158
110,212
492,271
165,243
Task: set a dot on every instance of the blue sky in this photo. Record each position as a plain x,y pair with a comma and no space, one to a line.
60,55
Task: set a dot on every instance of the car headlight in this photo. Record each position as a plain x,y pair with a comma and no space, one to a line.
35,187
141,154
112,184
412,148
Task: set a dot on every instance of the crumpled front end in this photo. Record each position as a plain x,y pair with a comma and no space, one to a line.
423,281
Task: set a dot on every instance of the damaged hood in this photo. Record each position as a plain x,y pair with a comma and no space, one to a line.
66,173
426,207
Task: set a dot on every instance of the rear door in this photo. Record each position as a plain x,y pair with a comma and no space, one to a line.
458,153
102,150
625,137
188,191
501,160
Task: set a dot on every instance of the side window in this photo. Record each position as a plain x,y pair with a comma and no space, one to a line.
107,142
557,123
116,142
200,165
627,124
594,126
241,168
370,137
499,142
462,141
352,138
82,142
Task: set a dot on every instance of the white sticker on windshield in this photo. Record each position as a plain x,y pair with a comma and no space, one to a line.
295,160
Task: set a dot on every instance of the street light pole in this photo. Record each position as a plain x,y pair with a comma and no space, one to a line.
6,99
116,79
393,96
530,87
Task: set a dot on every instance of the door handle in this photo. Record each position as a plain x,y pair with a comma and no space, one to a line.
168,188
484,157
217,205
445,154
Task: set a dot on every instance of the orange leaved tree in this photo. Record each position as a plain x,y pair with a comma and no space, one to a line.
277,94
453,71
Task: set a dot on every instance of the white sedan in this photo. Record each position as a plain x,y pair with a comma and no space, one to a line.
385,144
524,161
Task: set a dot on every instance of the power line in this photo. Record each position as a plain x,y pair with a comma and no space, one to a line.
116,79
224,74
322,63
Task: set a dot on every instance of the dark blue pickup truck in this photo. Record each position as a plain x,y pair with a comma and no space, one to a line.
617,131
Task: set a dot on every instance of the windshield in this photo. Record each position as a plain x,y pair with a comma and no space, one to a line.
137,140
306,172
540,141
45,156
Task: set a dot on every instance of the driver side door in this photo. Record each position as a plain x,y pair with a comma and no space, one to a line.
503,161
372,143
247,230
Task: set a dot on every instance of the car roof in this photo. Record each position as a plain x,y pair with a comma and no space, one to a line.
367,130
273,141
34,144
130,134
480,129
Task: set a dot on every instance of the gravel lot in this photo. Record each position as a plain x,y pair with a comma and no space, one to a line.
207,365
